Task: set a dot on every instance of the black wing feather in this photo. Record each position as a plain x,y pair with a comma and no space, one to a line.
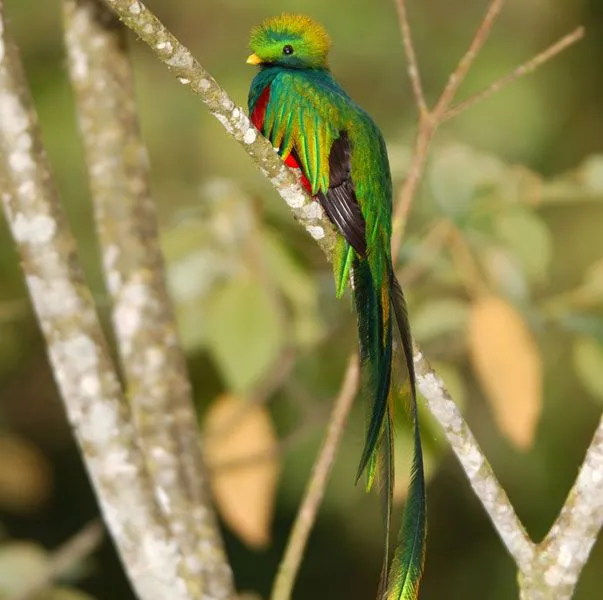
340,202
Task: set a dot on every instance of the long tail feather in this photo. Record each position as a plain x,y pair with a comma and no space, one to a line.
385,453
409,556
375,335
401,573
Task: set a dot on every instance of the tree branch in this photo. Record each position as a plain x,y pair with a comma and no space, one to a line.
529,67
77,348
431,119
565,550
458,76
414,73
306,516
474,463
158,387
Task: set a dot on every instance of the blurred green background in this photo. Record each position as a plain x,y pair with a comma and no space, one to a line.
251,287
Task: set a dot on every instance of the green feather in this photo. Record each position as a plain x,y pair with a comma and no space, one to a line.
307,112
385,464
409,556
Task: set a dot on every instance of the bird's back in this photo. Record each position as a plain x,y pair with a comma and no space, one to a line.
315,103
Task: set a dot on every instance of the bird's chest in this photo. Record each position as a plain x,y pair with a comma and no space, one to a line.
258,117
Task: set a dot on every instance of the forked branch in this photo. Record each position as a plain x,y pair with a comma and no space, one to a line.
157,383
444,110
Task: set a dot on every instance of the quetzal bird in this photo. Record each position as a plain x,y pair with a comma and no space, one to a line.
297,104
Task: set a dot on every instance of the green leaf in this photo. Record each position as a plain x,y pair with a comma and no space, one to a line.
20,562
457,173
296,285
530,240
191,281
244,332
587,324
505,272
588,362
439,317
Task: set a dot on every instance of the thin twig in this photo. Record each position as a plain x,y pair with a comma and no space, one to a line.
414,73
429,120
64,558
315,489
458,76
154,365
529,67
411,183
466,264
77,348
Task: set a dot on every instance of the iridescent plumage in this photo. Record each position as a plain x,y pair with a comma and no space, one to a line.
297,104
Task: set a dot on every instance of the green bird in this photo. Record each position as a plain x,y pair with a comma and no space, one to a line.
297,104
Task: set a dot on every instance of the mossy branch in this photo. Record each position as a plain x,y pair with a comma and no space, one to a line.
157,384
77,349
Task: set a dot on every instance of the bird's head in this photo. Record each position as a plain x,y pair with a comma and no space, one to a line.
293,41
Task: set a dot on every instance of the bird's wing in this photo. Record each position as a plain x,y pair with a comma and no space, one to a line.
339,201
305,121
300,116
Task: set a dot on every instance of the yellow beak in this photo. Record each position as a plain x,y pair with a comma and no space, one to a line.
254,59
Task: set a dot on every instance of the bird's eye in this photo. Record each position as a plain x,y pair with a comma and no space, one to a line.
288,49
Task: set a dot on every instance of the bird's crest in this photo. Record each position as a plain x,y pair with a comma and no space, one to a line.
308,39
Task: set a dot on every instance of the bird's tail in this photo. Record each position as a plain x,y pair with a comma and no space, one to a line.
378,307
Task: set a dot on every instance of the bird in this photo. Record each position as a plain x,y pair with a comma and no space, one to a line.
316,127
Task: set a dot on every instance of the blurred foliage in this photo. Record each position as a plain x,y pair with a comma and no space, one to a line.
515,211
24,562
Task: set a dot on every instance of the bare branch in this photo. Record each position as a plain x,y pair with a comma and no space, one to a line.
431,119
77,348
529,67
460,73
306,516
158,387
413,66
411,183
476,466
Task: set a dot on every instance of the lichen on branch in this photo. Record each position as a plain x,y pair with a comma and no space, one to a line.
154,365
77,349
